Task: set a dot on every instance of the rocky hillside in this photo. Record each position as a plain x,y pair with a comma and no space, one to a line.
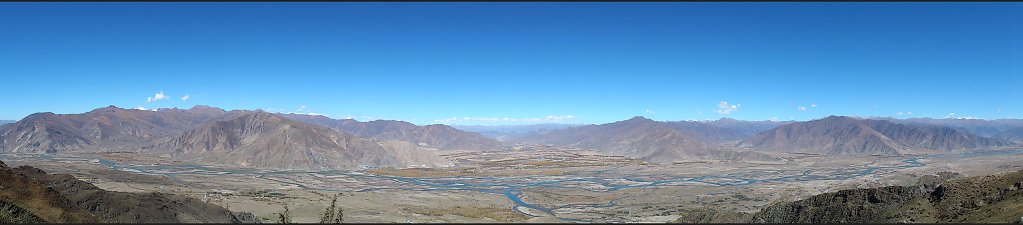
839,135
436,136
33,195
264,140
945,198
25,199
108,128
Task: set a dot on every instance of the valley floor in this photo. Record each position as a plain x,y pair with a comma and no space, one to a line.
527,184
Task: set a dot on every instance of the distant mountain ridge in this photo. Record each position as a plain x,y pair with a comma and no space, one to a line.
509,132
642,138
840,135
437,135
983,128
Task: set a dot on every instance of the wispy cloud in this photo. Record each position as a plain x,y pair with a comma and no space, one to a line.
185,98
505,119
301,108
725,108
650,112
144,109
813,105
158,96
801,108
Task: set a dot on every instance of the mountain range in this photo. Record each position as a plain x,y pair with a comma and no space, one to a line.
840,135
255,138
508,132
649,140
434,136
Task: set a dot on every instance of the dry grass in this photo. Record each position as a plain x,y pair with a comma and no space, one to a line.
498,214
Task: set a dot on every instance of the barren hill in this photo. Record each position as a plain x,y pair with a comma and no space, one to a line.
264,140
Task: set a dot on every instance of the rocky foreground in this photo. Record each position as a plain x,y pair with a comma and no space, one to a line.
30,195
935,199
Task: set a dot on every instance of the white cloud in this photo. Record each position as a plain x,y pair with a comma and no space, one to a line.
725,108
898,113
301,108
774,118
141,108
650,112
801,108
813,105
157,97
185,98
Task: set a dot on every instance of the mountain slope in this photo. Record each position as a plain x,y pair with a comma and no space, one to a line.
1014,135
838,135
637,137
437,136
983,128
263,140
108,128
26,199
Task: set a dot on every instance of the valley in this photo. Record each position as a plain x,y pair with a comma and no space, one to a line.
525,183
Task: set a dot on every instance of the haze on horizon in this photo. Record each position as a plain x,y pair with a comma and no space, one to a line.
480,63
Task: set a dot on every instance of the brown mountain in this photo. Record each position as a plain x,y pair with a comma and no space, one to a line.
108,128
436,136
264,140
839,135
63,198
641,138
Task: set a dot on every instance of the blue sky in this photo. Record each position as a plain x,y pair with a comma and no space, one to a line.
479,63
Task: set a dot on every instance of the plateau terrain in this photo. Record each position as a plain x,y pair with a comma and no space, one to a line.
205,164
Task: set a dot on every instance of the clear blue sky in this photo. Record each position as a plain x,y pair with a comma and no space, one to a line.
530,62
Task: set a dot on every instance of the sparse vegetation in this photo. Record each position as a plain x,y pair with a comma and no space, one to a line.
285,217
498,214
332,216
